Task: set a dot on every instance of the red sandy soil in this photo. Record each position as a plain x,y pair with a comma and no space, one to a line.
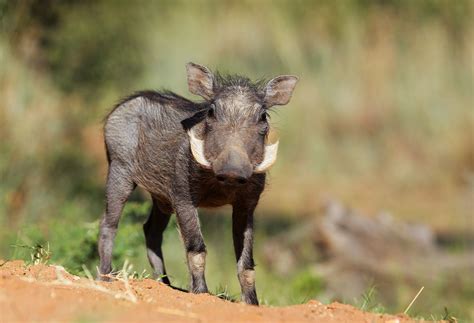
48,293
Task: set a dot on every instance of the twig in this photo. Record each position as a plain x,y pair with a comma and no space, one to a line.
414,299
130,293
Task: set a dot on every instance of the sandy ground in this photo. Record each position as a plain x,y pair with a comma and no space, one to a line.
50,294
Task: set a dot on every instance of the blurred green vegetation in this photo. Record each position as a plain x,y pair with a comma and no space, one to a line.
382,118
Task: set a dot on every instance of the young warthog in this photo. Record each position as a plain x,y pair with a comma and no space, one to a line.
190,155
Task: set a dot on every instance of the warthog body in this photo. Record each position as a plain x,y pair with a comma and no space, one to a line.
190,155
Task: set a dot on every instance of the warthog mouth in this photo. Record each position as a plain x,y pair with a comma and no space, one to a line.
197,149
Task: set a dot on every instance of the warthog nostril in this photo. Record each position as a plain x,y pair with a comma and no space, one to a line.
241,180
231,179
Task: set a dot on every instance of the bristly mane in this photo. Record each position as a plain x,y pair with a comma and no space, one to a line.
163,96
230,80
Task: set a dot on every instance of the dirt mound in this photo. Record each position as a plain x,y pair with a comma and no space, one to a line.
49,293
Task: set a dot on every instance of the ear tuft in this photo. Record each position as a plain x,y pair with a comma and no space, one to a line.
200,80
279,90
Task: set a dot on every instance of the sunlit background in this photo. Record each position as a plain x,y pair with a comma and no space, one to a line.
381,121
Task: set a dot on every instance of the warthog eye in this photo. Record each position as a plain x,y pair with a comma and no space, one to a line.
263,117
212,110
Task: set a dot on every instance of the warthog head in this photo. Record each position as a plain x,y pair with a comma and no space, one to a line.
230,134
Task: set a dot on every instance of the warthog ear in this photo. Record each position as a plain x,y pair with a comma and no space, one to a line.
200,81
279,90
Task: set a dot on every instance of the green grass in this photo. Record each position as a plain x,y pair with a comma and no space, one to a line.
369,301
223,293
39,254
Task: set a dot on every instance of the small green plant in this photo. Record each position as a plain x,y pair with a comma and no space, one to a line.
39,253
448,317
141,275
223,293
369,302
128,273
445,316
367,298
159,278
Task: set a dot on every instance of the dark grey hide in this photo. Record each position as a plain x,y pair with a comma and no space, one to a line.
190,155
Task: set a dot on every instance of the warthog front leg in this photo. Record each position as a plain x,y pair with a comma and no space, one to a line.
242,228
190,231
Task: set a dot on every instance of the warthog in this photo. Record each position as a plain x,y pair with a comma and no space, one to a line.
190,155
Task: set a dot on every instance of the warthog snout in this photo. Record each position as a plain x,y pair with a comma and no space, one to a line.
232,167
